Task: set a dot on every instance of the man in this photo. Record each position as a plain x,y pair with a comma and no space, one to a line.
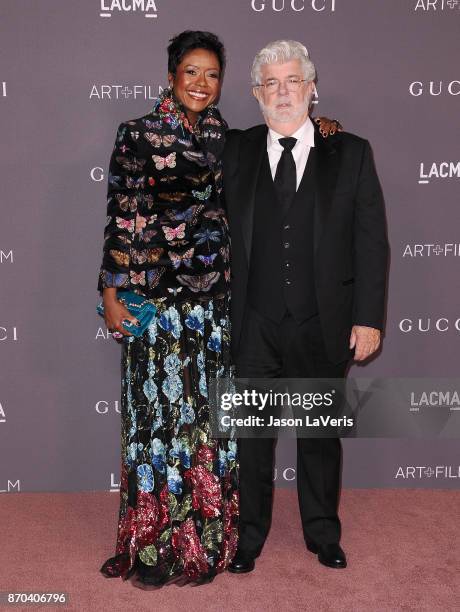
309,253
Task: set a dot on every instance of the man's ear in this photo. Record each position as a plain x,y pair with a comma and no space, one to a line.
311,88
256,93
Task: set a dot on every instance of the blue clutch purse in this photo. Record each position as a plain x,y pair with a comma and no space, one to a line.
138,306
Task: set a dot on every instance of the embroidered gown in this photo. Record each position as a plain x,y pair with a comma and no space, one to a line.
167,238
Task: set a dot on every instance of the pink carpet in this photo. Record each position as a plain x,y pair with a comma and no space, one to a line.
402,548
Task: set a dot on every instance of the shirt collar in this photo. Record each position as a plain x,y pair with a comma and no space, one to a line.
305,135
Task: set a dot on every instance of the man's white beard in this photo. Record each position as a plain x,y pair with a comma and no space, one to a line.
288,114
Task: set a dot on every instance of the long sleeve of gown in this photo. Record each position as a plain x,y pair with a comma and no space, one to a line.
124,181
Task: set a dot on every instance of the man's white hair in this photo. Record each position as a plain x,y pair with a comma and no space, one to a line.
280,52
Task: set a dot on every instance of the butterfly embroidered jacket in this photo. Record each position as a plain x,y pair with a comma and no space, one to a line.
166,233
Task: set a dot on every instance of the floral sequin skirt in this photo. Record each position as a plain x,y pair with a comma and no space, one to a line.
178,487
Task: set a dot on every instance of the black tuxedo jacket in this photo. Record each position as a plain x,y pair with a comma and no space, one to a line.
350,242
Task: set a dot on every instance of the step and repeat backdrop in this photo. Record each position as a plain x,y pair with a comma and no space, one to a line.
70,72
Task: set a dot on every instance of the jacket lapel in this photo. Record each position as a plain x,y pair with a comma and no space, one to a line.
327,169
253,146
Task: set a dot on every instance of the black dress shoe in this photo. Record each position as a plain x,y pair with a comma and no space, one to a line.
242,563
330,555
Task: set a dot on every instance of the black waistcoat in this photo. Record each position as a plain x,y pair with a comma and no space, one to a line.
281,271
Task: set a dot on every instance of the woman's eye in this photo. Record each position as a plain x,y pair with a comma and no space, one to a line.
213,76
190,71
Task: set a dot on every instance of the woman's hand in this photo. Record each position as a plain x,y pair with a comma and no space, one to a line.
328,127
115,313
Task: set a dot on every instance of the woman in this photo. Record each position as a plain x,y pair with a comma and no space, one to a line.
167,239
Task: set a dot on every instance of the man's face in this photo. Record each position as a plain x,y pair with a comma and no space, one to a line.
281,101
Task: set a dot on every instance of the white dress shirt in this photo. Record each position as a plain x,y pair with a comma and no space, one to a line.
305,136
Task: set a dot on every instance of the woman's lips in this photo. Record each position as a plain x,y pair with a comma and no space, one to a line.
197,95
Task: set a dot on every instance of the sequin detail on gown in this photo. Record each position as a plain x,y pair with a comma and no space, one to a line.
178,490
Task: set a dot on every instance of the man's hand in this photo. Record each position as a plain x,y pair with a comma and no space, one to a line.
365,341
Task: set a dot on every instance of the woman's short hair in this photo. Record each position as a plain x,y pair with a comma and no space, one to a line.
280,52
194,39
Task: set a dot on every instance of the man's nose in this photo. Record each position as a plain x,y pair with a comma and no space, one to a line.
282,88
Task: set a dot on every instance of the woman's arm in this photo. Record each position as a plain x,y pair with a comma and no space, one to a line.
123,184
124,180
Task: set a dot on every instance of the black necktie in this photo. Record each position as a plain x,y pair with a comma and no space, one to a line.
285,177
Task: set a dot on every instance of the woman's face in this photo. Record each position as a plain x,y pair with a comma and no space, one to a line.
197,81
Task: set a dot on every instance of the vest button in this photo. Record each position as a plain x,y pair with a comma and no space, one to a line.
286,227
286,245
